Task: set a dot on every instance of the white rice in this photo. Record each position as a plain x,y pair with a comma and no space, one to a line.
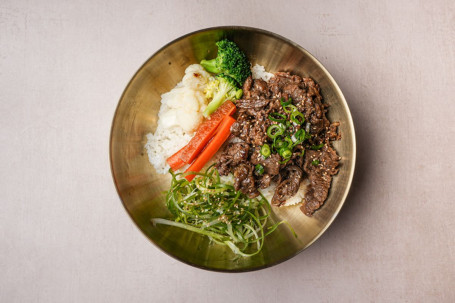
179,116
259,72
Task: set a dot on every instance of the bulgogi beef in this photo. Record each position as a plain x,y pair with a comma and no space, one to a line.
313,158
233,155
287,188
320,177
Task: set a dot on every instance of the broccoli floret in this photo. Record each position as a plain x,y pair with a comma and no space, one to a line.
220,89
230,61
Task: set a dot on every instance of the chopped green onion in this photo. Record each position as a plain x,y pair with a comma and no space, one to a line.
307,135
285,103
297,117
265,150
303,153
277,117
289,141
300,136
278,143
317,147
285,153
315,162
289,108
275,130
259,169
286,143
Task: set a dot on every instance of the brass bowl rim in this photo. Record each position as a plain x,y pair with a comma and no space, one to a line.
342,99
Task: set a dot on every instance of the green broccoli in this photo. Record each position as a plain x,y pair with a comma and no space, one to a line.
221,89
230,61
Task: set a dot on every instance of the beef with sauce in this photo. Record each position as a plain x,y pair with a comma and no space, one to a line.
320,166
261,98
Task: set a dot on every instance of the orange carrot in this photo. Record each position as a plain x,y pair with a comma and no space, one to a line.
222,133
174,161
205,132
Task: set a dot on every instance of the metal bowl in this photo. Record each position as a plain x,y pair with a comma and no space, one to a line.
141,189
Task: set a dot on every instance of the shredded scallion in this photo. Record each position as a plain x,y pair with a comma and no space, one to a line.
215,209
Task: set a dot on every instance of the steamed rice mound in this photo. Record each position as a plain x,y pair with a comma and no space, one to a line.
179,116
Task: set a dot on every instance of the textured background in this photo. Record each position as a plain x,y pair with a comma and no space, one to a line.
65,236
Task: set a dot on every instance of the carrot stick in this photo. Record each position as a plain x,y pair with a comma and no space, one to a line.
174,161
205,132
222,133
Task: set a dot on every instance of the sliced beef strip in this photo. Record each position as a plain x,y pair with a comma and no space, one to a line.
290,186
251,125
247,87
332,133
271,164
256,156
238,151
234,154
257,135
264,181
224,165
254,89
294,91
251,103
320,177
244,180
260,89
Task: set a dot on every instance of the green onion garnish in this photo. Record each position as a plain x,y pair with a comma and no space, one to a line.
259,169
284,161
265,150
315,162
285,103
300,136
297,117
285,153
279,144
317,147
277,117
289,142
307,135
289,108
216,210
275,130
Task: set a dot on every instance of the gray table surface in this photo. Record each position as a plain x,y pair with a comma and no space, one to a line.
65,236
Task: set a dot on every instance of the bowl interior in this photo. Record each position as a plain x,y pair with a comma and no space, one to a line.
141,189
